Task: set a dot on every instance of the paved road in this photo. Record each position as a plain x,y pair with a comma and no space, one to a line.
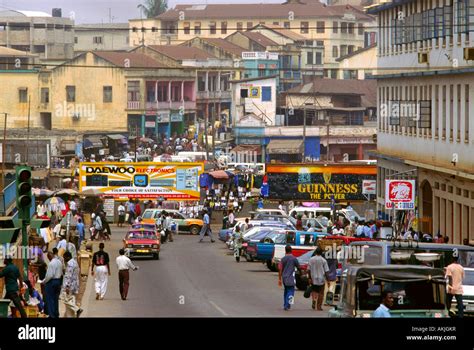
193,279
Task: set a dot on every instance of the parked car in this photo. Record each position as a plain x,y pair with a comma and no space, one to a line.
349,214
300,241
142,242
418,291
185,224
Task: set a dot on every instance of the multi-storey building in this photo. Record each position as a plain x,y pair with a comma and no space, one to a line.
341,26
426,109
101,36
49,37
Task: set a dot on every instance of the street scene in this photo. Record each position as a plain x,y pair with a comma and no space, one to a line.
296,158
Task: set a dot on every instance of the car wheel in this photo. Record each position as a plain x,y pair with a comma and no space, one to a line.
194,229
271,266
248,257
156,256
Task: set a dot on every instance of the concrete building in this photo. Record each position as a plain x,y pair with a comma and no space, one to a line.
211,88
341,26
340,118
49,37
426,109
360,64
100,36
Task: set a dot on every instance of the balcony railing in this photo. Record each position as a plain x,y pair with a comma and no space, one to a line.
133,105
290,74
214,95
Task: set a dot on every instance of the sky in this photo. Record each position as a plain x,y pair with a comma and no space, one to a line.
97,11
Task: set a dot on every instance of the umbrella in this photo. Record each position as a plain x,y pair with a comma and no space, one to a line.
67,191
55,203
146,140
91,192
42,192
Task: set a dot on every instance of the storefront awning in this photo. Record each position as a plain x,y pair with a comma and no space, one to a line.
93,142
285,147
116,137
249,149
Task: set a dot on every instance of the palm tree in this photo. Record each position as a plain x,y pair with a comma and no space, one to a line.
153,8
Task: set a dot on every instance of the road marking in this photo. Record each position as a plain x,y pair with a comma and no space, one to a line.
218,308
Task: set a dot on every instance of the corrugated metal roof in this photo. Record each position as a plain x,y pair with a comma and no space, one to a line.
182,52
136,60
259,38
226,45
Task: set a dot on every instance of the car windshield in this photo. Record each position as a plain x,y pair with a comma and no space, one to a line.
148,214
303,259
424,295
147,227
468,278
141,235
260,234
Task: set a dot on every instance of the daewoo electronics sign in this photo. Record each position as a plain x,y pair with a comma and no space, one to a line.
172,181
400,194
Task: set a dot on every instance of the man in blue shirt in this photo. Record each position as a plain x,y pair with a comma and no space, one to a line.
367,231
286,277
384,309
80,229
206,228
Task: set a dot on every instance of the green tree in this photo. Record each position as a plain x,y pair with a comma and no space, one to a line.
153,8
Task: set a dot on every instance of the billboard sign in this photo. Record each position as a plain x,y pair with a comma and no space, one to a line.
171,181
319,183
369,187
400,194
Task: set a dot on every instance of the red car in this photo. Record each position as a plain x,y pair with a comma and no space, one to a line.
142,242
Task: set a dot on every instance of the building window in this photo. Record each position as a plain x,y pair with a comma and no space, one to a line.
343,50
266,93
187,28
335,26
249,25
240,26
276,23
23,95
333,73
319,58
344,27
97,40
287,25
320,43
335,53
351,28
75,40
197,28
350,74
71,93
304,28
223,27
360,29
133,90
44,95
320,26
244,93
107,94
212,28
309,58
308,42
351,49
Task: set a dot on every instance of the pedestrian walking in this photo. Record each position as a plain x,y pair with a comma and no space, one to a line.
70,286
52,283
286,277
100,261
80,228
206,228
238,243
121,215
318,274
455,275
383,310
124,264
13,281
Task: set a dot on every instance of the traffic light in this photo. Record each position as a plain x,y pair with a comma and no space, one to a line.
23,188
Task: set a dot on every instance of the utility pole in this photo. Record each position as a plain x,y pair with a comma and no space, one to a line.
28,132
4,146
304,134
206,122
214,110
327,138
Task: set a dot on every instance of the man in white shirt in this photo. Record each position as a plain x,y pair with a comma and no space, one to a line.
73,206
124,264
57,230
62,243
40,209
